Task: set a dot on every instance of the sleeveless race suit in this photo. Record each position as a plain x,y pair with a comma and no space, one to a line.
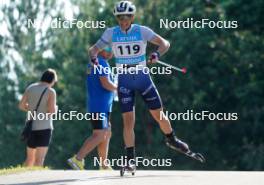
129,48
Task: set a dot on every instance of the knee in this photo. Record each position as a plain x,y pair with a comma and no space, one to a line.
109,134
159,115
100,135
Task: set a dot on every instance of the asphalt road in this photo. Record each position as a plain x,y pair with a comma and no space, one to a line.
59,177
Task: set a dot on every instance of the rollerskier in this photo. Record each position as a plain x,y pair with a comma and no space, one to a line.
128,42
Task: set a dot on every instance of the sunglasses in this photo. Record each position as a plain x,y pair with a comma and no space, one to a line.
124,17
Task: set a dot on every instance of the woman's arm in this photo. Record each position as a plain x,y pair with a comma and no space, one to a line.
52,107
23,104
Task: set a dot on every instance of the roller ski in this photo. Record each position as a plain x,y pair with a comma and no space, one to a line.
176,144
196,156
129,169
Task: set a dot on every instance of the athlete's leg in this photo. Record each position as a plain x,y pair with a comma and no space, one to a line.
97,137
126,95
77,161
128,131
152,99
171,140
102,148
30,159
162,120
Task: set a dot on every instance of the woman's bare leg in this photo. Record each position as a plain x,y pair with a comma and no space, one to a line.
41,153
30,159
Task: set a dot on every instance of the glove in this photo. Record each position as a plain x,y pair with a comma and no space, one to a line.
94,60
154,57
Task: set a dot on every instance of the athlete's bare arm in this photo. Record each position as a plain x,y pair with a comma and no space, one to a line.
107,84
163,44
93,51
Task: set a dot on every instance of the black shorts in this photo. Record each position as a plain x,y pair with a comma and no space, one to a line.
103,122
39,138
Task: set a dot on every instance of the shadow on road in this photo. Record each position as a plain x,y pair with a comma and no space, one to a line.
57,182
98,178
130,176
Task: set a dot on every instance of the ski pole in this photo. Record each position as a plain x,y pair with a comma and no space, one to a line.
183,70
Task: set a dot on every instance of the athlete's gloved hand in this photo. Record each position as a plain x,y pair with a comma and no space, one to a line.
154,57
94,60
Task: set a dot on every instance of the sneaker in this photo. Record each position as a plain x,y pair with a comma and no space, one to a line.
177,144
75,163
106,168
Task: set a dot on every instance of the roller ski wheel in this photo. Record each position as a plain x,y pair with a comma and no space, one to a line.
122,171
129,169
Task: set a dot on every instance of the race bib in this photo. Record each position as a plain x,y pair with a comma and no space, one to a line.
128,49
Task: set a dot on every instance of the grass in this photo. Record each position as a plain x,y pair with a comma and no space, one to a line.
20,169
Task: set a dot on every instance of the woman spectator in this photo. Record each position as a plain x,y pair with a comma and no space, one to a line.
38,143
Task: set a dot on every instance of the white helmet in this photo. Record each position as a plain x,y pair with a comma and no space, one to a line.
124,8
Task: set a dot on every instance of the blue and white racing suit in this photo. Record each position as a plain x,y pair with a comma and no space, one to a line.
129,49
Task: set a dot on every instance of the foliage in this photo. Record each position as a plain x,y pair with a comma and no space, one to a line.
225,75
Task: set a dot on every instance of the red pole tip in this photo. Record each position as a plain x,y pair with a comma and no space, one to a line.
184,70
